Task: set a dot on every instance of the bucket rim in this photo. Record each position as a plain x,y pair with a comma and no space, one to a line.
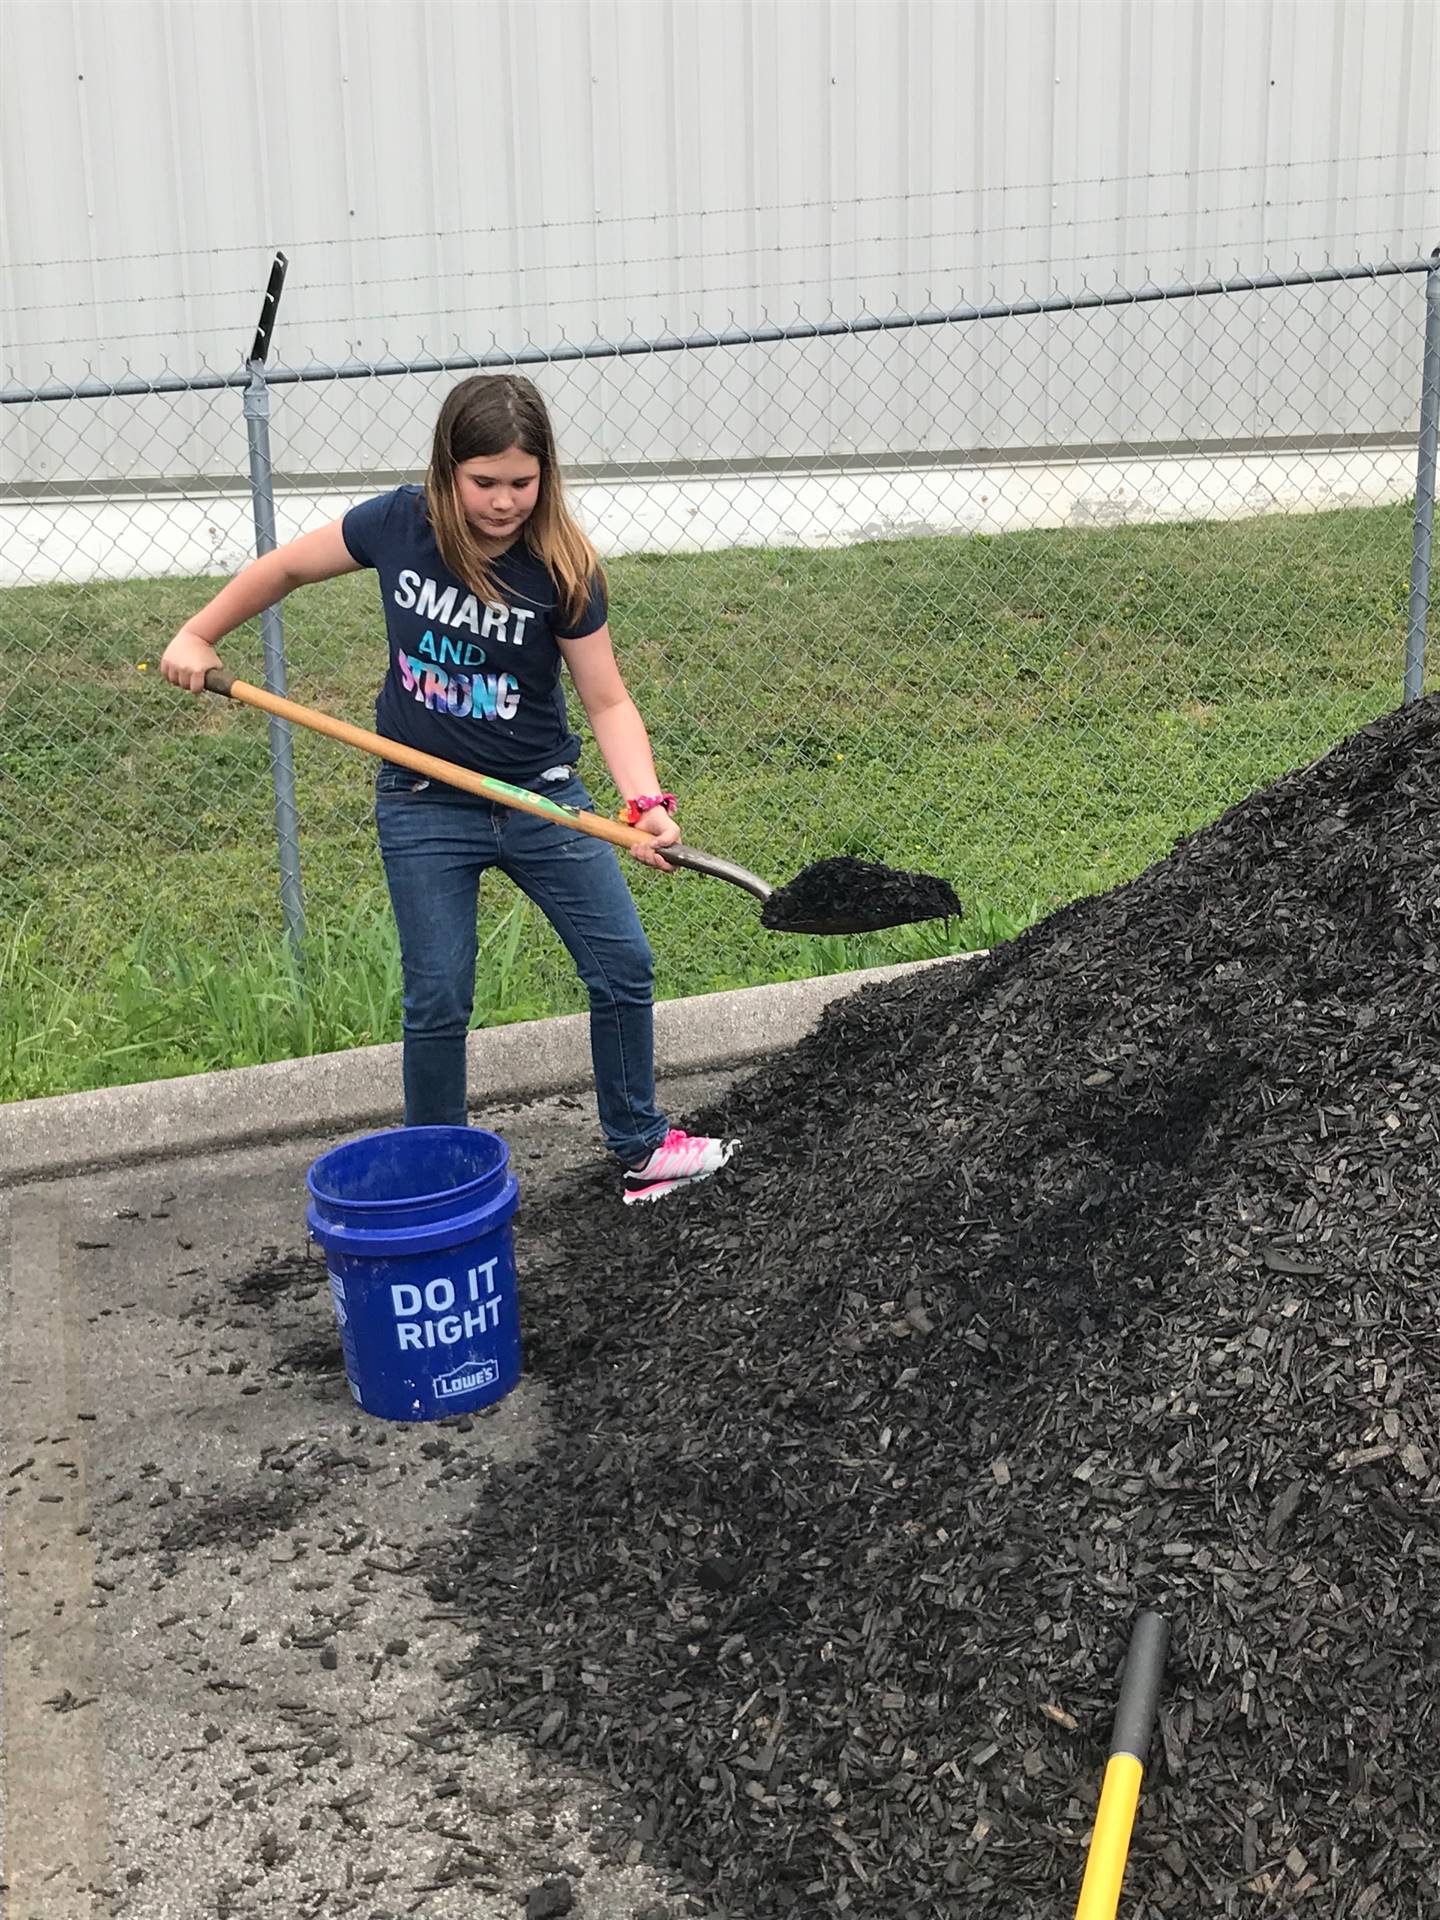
368,1240
435,1197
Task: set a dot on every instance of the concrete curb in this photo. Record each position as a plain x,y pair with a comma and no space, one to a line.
340,1093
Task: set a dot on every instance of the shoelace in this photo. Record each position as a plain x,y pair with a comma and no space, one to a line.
676,1151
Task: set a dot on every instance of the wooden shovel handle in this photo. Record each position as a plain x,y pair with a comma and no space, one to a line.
500,791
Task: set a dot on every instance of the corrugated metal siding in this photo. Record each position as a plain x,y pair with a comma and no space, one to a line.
446,171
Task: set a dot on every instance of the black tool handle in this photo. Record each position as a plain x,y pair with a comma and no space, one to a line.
1140,1687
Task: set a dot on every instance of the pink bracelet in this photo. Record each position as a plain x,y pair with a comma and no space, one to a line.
643,802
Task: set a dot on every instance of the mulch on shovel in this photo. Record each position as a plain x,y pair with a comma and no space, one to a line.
860,895
1097,1274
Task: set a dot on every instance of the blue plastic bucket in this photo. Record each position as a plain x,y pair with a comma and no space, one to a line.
415,1226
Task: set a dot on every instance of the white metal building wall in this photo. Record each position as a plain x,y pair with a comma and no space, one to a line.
446,171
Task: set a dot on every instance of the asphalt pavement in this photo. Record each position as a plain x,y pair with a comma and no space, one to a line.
220,1658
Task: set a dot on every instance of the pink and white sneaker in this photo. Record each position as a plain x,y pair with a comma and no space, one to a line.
679,1161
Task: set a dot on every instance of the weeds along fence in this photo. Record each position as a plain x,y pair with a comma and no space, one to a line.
1015,591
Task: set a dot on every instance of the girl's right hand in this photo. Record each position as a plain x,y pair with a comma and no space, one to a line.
187,660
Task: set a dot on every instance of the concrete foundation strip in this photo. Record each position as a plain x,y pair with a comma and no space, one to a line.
338,1093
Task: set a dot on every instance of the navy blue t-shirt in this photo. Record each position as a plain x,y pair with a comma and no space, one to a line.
475,683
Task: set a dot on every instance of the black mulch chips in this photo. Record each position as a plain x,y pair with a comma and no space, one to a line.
1094,1275
857,896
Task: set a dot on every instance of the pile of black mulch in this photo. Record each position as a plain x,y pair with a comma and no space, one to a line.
1096,1275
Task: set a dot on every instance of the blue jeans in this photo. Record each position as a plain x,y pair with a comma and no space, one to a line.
436,842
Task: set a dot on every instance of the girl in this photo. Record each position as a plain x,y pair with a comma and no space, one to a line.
488,586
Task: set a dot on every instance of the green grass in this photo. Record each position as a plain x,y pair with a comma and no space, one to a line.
1036,715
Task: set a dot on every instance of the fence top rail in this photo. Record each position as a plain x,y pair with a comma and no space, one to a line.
766,334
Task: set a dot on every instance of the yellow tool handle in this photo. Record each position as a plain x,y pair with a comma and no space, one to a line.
1110,1843
1120,1790
433,768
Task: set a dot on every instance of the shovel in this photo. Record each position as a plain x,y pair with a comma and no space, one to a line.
830,896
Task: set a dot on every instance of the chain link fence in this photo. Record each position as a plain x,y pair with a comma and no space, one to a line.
1016,592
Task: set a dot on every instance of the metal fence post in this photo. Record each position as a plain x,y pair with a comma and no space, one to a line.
1424,489
272,632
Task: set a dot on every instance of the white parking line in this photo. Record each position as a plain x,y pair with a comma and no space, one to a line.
55,1817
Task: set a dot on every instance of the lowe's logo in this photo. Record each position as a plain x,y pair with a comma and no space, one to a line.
466,1379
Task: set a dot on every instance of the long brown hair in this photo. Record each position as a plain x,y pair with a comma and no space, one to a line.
485,415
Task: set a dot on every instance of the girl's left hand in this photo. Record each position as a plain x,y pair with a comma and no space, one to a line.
664,831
